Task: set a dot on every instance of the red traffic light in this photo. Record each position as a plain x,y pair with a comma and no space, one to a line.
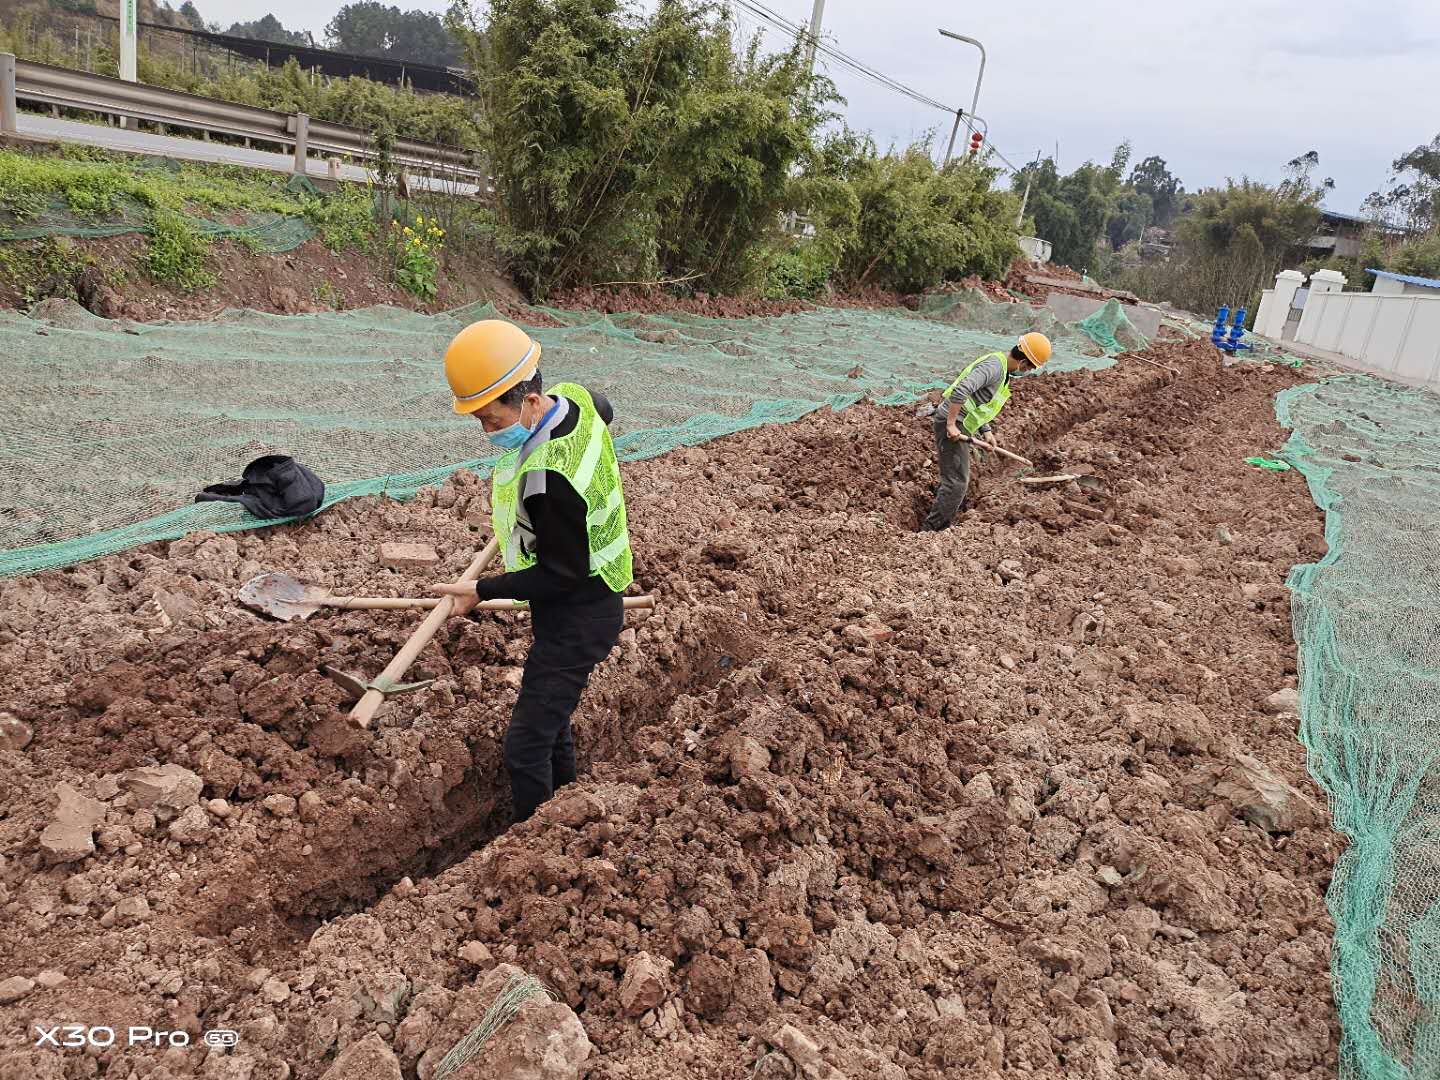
975,140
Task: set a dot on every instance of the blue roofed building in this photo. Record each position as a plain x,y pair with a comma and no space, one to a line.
1388,284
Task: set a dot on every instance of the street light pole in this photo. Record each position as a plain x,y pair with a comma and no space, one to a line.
975,101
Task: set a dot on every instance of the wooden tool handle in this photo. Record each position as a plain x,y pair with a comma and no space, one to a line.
998,449
366,708
410,603
381,603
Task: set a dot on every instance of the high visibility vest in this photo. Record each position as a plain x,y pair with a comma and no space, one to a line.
586,458
977,416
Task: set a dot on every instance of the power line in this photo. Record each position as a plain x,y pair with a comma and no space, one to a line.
800,32
760,10
755,7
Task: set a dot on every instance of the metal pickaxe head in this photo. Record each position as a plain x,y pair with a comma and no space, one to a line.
356,687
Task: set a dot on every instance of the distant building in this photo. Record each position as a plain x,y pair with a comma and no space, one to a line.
1388,284
1341,235
1338,234
1155,243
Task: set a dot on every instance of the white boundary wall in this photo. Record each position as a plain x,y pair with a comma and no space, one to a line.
1389,335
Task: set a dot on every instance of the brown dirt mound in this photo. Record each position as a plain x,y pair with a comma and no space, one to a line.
854,800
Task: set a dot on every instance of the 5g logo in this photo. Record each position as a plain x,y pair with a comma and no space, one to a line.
221,1037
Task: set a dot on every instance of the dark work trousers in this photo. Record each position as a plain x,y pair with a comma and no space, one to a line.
570,639
954,478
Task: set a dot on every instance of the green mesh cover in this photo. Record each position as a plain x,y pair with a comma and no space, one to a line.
121,425
268,231
1077,344
1370,705
1109,328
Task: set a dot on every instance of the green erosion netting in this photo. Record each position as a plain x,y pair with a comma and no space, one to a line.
1365,621
111,429
265,231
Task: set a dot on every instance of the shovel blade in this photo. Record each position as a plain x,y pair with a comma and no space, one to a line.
281,596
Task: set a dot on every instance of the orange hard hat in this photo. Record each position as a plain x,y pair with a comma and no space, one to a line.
1036,347
486,359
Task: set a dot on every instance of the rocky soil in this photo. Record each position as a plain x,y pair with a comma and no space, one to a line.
1023,797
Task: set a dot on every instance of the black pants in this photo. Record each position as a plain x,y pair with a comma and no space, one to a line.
570,639
954,478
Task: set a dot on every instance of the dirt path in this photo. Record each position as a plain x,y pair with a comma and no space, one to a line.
1008,799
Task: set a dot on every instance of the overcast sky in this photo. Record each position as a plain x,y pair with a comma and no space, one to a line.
1222,88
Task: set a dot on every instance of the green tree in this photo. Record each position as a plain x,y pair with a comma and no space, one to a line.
1238,237
916,225
1412,201
1300,182
577,95
1072,212
726,166
370,28
1131,216
1420,257
629,146
269,28
1153,179
191,15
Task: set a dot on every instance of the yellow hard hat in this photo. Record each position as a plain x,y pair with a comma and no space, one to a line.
486,359
1036,348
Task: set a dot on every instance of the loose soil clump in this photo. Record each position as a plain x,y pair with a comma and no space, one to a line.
854,800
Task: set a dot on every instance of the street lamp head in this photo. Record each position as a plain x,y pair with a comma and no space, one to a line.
961,37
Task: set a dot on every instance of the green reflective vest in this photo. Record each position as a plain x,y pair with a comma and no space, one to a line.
586,458
977,416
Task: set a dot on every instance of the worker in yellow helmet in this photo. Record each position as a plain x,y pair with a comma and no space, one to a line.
973,400
559,514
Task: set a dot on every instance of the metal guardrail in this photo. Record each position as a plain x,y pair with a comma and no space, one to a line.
42,84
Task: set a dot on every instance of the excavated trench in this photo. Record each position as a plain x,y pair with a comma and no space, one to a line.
891,732
446,789
348,869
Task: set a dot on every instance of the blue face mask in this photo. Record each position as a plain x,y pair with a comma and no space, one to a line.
514,436
510,438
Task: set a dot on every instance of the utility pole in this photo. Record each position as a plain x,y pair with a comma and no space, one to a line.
1025,199
954,130
816,13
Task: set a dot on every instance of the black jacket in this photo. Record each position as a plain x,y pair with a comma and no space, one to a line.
271,487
